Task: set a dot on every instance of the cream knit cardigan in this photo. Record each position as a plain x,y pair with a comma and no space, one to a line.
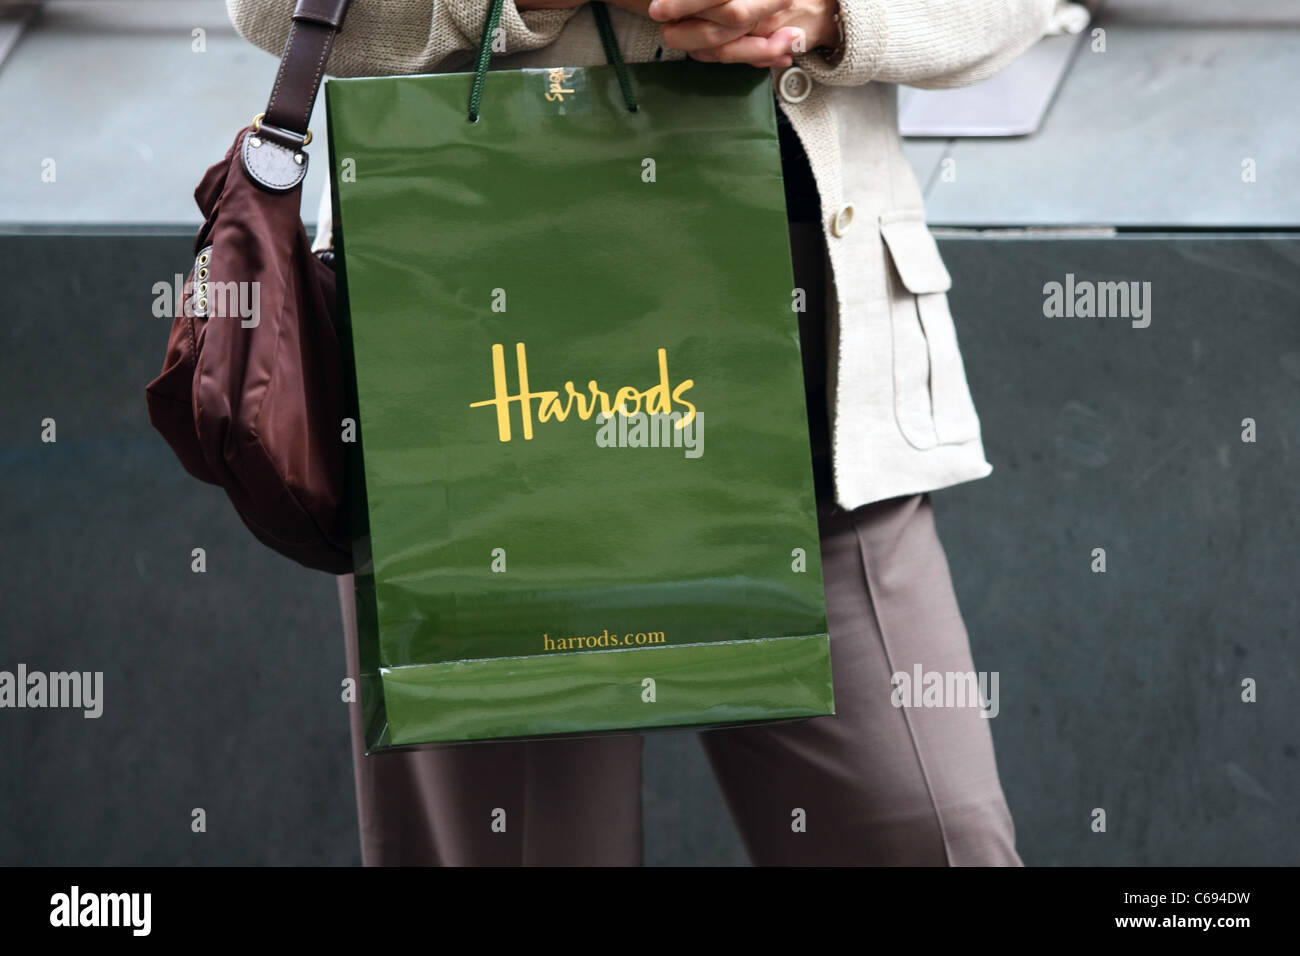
901,414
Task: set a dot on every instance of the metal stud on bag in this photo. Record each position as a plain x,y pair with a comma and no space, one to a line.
201,287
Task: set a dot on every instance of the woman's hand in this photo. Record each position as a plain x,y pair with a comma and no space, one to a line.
758,32
761,33
710,29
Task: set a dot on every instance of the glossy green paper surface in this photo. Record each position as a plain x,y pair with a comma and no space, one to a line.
596,238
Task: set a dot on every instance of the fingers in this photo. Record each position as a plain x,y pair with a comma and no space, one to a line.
774,50
710,56
719,24
694,34
726,13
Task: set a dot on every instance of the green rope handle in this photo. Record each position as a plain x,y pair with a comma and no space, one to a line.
484,57
613,55
607,40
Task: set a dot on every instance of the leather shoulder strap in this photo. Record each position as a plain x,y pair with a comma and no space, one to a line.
302,68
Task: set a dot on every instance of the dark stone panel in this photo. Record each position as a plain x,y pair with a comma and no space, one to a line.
685,817
221,690
1123,690
1118,690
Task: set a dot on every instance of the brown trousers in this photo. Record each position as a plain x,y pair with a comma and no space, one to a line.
873,784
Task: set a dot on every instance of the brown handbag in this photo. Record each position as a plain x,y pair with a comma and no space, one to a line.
251,392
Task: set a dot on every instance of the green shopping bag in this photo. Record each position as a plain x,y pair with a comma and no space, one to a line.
582,486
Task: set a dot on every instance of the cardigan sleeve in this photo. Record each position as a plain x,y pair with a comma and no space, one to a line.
389,37
929,43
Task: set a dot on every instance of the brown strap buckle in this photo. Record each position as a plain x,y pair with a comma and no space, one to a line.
313,27
297,140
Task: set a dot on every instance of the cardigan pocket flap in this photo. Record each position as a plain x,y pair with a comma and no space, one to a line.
932,401
915,254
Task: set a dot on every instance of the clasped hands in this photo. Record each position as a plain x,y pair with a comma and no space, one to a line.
758,32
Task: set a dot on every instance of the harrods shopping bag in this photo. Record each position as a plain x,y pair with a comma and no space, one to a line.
581,487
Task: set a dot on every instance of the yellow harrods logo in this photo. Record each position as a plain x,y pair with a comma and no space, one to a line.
558,77
658,399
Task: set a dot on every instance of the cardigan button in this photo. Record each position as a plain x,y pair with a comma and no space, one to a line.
843,219
795,85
